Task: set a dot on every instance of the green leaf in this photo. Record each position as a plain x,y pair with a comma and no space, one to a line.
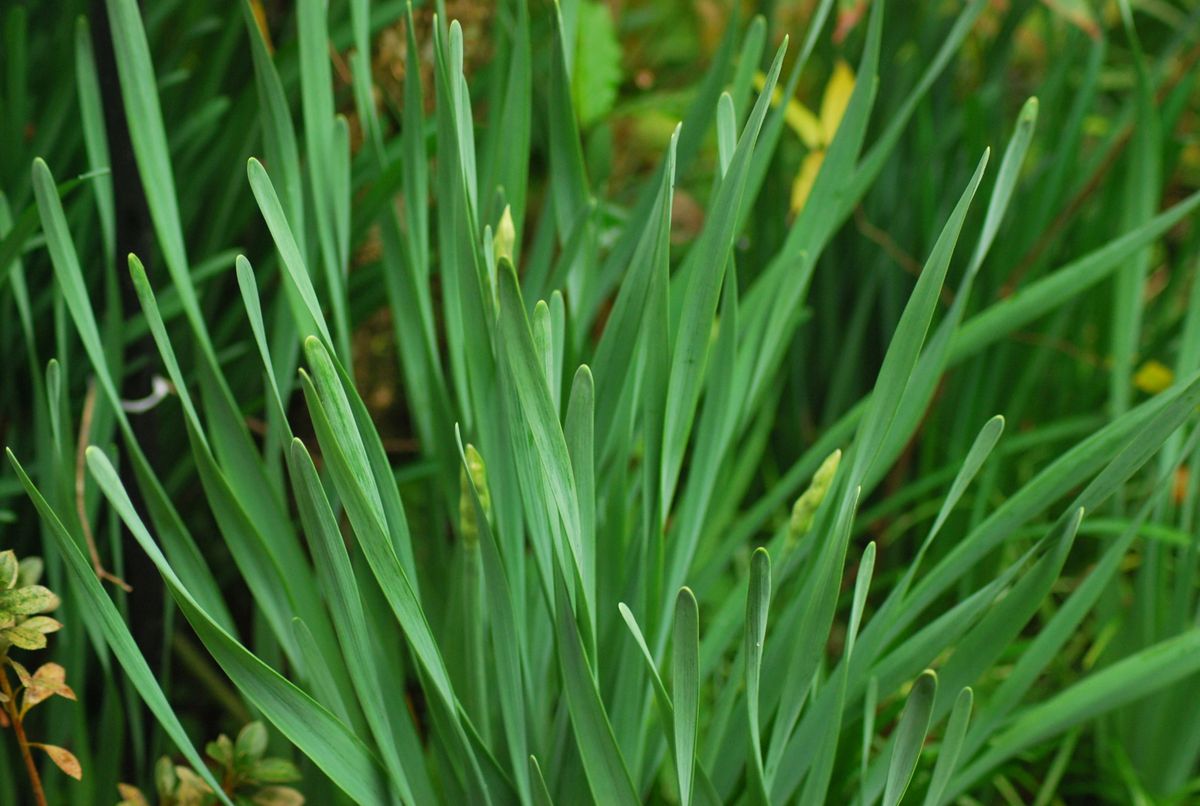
139,95
578,432
568,176
22,637
909,336
329,553
335,422
607,775
758,602
373,538
521,360
220,751
274,771
280,579
910,736
95,138
986,642
630,312
541,795
28,600
1036,299
324,153
279,137
505,638
251,741
952,743
703,789
8,569
597,69
662,698
309,318
685,686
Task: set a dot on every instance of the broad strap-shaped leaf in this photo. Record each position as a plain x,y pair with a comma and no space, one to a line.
310,319
758,600
952,745
541,795
702,789
533,395
987,640
323,151
685,687
579,433
502,613
342,448
139,96
279,135
909,336
275,570
910,737
329,552
607,775
816,788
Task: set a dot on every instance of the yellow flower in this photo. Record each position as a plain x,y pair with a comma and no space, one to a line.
815,131
1153,377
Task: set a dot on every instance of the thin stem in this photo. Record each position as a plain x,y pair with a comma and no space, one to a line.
85,429
14,716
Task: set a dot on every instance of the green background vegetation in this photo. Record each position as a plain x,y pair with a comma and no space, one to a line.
491,437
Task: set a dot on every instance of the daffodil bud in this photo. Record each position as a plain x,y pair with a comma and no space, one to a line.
506,236
806,505
466,507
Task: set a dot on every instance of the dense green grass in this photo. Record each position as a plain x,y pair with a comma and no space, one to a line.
487,468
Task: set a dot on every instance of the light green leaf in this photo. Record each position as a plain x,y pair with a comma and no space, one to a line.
597,70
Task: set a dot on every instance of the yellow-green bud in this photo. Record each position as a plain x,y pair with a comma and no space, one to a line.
506,236
806,505
466,507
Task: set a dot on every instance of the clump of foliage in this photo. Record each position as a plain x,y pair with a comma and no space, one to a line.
23,625
247,778
516,437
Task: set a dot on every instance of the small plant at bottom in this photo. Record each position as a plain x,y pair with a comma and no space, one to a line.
246,777
23,625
